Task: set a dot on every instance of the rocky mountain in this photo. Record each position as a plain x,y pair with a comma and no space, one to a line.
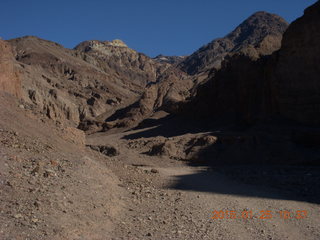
284,85
172,87
105,83
61,84
78,85
259,35
234,94
236,124
115,56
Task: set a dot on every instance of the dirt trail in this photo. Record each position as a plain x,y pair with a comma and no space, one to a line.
167,199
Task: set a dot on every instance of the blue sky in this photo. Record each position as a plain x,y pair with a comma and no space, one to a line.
169,27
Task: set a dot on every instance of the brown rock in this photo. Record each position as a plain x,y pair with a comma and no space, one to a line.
74,135
9,76
153,170
107,150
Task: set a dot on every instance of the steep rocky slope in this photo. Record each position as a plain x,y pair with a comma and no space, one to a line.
116,57
134,68
172,87
51,186
233,94
147,187
100,82
284,84
259,35
78,86
61,84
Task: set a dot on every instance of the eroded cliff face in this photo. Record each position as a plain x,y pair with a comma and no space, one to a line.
297,72
9,74
282,85
235,93
60,84
80,86
140,73
172,87
115,56
102,84
228,93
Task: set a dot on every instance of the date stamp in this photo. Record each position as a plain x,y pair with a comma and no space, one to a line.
263,214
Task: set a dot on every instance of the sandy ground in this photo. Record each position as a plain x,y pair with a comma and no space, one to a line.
51,186
54,187
169,199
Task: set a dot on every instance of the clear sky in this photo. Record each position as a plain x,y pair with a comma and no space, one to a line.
169,27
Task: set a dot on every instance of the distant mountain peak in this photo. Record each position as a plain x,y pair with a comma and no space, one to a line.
263,16
116,43
260,34
103,47
257,27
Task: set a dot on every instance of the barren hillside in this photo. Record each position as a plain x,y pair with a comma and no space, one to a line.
101,142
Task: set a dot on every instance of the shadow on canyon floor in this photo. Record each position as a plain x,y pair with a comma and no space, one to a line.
172,126
272,163
298,183
265,167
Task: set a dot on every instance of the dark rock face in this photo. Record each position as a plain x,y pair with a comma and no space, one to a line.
297,72
236,93
260,34
285,84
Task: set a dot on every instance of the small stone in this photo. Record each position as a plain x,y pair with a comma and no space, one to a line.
48,173
153,170
36,204
35,170
18,215
21,106
54,163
